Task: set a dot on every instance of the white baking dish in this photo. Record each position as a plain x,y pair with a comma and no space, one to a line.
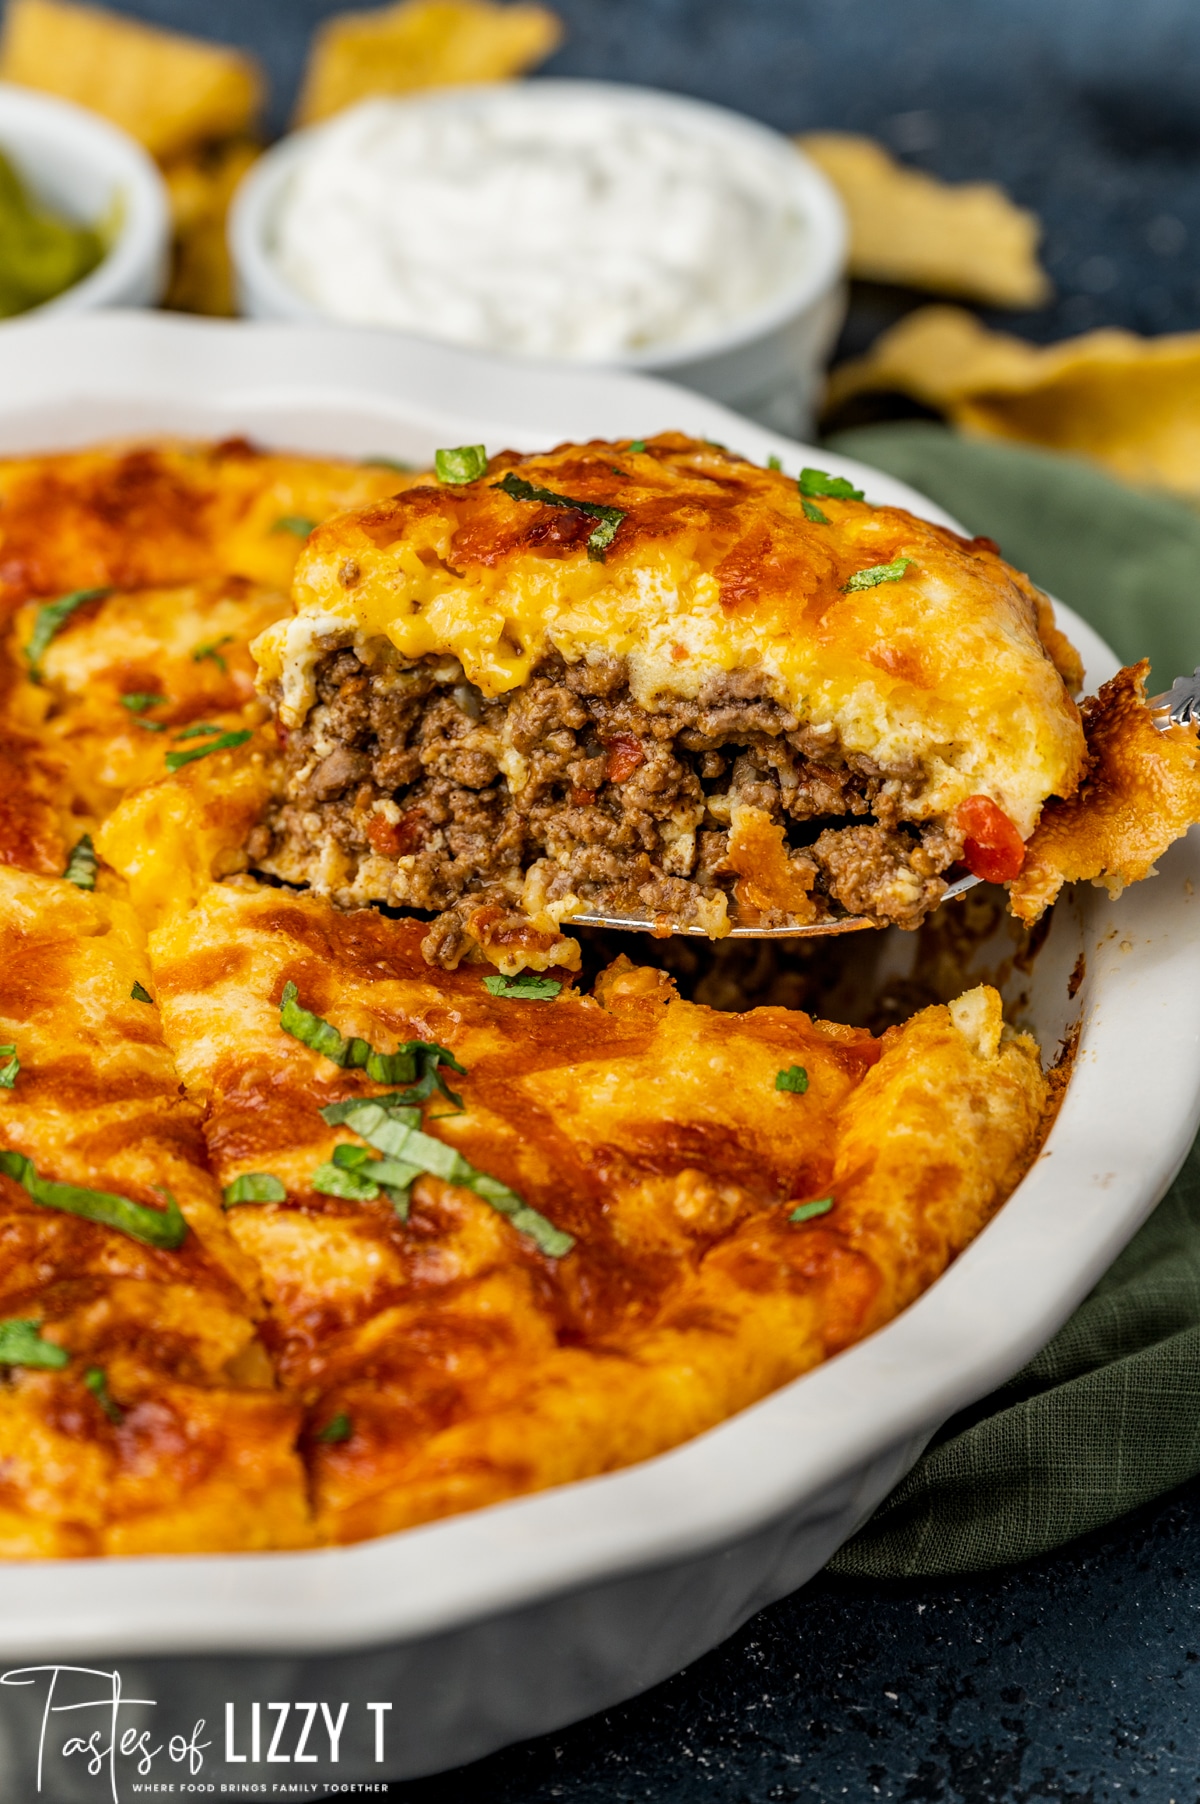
497,1625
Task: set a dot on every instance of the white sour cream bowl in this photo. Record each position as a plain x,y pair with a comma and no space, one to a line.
576,222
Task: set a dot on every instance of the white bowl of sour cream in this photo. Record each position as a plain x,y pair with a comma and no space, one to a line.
565,221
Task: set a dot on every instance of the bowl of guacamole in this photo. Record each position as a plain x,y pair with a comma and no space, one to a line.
42,253
84,220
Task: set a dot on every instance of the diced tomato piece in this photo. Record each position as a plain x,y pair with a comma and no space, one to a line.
624,755
582,798
392,838
384,836
993,849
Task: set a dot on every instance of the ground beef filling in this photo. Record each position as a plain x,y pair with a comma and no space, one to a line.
407,787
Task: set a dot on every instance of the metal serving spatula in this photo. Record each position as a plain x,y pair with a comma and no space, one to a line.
1179,707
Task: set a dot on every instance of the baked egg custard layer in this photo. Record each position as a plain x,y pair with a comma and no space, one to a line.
318,1220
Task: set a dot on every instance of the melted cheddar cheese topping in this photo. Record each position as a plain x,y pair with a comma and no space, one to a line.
142,516
473,1368
194,1447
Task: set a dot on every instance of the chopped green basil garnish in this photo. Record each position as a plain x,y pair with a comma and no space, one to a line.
463,463
151,726
530,986
137,704
603,535
154,1227
429,1155
9,1070
81,865
396,1177
97,1383
334,1180
21,1344
774,463
819,482
392,1173
254,1187
211,648
812,512
339,1428
50,619
637,444
389,463
416,1062
201,730
299,524
876,574
393,1124
226,743
397,1106
795,1079
387,1131
609,518
139,993
357,1173
351,1157
806,1211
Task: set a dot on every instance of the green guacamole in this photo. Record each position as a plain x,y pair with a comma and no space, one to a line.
41,253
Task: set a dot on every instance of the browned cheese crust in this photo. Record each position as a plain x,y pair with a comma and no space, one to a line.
470,1365
189,550
154,515
1140,793
189,1447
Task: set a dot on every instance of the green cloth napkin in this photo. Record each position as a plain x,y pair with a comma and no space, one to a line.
1108,1415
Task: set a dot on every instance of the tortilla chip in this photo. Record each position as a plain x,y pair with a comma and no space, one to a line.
200,188
1131,404
421,44
941,356
908,227
168,91
1141,792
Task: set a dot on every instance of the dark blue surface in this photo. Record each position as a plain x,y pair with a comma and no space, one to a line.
1075,1680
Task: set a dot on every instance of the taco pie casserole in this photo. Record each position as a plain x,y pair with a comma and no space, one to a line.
335,1197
